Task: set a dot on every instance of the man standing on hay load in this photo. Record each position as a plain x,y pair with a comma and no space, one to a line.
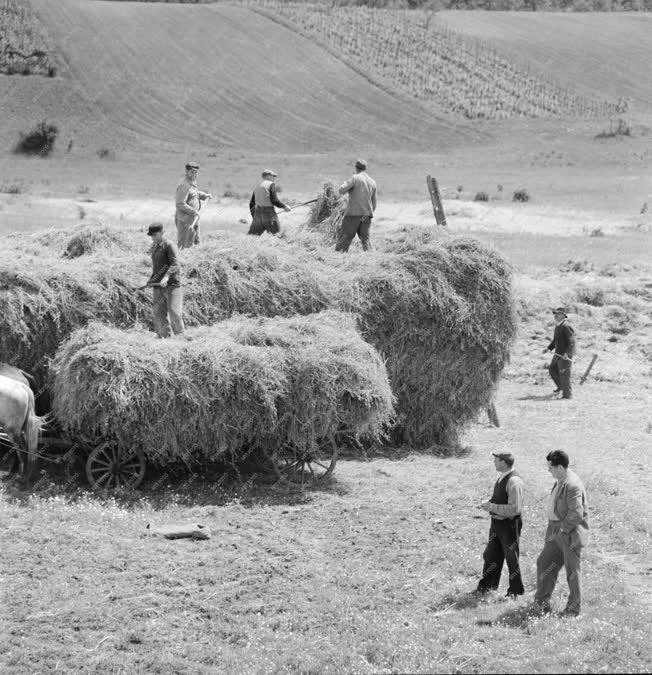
361,189
262,203
563,344
165,283
188,205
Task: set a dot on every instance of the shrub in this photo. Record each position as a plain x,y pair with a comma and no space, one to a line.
239,385
441,313
39,141
521,195
620,128
481,197
590,295
105,153
11,188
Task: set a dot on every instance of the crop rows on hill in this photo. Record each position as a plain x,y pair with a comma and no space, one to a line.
408,52
23,43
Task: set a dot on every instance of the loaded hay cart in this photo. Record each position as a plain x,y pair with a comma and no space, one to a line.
279,391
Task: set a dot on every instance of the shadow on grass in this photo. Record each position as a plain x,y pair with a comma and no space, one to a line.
538,397
459,601
215,485
515,617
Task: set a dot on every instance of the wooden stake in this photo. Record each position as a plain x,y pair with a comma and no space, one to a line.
588,370
493,415
435,197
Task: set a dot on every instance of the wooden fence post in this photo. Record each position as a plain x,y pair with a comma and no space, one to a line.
435,197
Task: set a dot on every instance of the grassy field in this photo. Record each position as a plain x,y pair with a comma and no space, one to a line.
611,62
409,52
369,574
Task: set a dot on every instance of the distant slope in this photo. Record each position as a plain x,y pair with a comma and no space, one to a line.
411,53
606,54
170,75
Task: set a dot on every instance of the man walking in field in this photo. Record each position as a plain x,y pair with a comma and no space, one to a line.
361,189
188,204
563,344
505,508
566,535
262,203
166,285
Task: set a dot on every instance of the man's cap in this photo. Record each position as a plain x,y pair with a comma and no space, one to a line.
269,172
192,165
505,456
154,228
559,310
360,164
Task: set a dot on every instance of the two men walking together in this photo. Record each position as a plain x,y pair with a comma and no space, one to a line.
566,533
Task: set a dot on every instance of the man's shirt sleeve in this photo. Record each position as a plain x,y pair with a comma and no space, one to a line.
346,187
182,194
274,198
173,259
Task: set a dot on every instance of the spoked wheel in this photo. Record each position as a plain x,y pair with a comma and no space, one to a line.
109,466
311,466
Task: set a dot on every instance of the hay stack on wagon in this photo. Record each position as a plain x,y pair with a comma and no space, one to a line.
242,384
441,314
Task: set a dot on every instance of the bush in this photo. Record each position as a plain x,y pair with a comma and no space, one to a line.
39,141
481,197
105,153
239,385
521,195
590,295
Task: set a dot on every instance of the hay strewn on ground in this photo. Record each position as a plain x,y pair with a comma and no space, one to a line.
440,313
325,216
239,384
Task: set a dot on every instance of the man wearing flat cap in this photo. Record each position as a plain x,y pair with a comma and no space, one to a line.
563,347
504,507
166,286
361,189
262,203
188,204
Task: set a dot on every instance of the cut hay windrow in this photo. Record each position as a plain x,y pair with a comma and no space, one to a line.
239,385
441,313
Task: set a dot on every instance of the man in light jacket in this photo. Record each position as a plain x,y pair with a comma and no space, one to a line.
262,203
188,203
361,189
566,535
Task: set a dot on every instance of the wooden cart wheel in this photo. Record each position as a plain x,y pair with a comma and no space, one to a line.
315,465
109,466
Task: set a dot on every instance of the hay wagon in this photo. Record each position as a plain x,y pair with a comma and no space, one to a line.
108,465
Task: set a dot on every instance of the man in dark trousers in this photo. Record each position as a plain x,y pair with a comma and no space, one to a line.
567,533
563,344
188,204
165,283
262,203
361,189
505,531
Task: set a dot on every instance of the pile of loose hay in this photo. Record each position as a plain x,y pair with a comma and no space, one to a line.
325,216
90,239
240,384
441,313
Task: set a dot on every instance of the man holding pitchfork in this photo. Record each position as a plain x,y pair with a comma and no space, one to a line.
563,346
188,204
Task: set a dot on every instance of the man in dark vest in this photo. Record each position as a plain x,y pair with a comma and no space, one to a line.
165,283
262,203
505,530
563,344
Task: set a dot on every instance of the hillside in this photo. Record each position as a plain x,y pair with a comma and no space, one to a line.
170,76
601,54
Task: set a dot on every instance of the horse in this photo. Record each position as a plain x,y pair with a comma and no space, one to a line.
17,374
19,422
